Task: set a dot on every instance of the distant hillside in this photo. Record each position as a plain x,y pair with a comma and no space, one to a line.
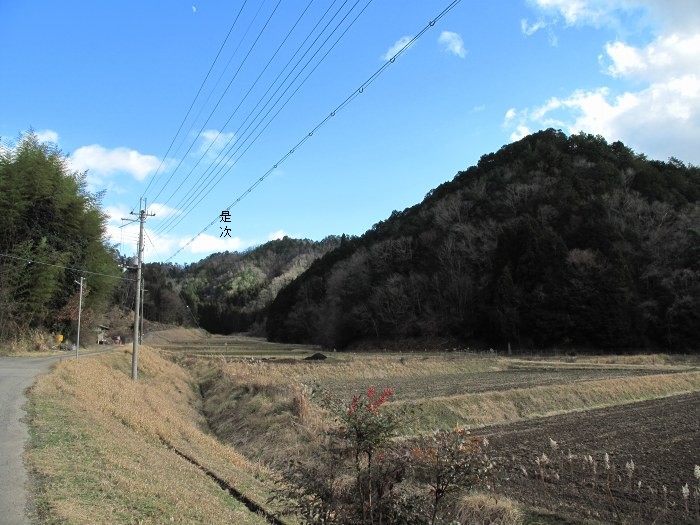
553,240
228,292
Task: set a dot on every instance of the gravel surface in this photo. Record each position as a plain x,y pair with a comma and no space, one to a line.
16,375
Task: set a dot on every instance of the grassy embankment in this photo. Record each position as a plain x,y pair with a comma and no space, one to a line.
102,447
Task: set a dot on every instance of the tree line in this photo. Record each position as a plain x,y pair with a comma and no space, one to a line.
231,291
554,240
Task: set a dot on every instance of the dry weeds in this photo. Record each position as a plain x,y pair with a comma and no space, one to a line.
98,447
481,509
511,405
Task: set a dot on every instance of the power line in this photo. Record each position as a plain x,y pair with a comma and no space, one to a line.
211,67
218,166
31,261
221,97
332,114
235,135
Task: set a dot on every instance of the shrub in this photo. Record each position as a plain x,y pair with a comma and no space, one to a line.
364,475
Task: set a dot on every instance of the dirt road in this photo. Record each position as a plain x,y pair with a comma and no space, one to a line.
16,375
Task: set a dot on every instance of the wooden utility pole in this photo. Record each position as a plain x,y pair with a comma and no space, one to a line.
143,291
135,354
80,309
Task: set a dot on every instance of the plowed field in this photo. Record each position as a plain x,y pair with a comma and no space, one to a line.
661,437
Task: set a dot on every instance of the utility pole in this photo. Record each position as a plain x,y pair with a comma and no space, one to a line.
143,291
80,309
135,353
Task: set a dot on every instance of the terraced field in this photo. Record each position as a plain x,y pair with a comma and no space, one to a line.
634,408
413,388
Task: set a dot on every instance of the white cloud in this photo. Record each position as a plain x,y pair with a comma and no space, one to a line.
669,14
47,135
214,141
674,15
275,236
661,121
194,8
574,11
398,46
453,43
530,29
100,161
666,57
520,132
654,104
159,247
516,121
209,243
162,211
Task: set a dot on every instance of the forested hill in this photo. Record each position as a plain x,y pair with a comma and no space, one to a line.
551,241
231,291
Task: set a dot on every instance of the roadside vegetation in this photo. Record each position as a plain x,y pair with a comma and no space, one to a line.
103,447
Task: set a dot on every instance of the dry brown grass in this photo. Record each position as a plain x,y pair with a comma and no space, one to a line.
33,343
176,335
98,447
511,405
365,367
472,409
487,509
271,423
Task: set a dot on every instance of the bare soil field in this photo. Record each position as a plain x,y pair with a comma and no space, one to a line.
661,437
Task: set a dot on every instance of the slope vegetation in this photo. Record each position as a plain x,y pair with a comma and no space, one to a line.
554,240
230,291
106,449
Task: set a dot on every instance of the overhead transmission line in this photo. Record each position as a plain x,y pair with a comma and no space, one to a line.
199,91
230,150
240,103
211,113
332,114
79,270
221,159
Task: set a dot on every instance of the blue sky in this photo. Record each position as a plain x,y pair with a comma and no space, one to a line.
111,83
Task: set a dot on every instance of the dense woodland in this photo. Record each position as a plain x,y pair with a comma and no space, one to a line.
51,232
554,240
228,292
